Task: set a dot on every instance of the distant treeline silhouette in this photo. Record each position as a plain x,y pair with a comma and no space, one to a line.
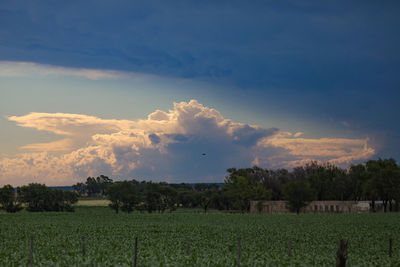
375,180
36,197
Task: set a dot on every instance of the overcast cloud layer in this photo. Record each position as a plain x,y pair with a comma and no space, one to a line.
166,146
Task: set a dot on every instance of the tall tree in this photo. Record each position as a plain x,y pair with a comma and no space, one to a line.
298,194
80,189
97,186
384,181
39,197
327,181
358,176
123,196
34,195
153,197
241,190
8,199
169,197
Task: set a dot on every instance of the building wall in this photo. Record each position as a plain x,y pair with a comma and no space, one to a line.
330,206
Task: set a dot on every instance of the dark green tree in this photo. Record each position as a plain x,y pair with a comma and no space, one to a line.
39,197
205,199
187,198
69,198
153,197
60,200
169,197
35,196
80,189
358,176
96,186
327,181
298,194
241,190
8,199
123,196
384,181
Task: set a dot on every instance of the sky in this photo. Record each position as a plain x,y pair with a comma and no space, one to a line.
142,89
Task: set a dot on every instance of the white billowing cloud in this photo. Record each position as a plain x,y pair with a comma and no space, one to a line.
297,151
66,144
190,142
21,69
78,128
35,167
69,124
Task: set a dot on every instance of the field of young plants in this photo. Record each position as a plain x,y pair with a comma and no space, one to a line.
162,238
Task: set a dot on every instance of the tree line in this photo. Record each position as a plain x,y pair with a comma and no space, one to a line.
147,195
375,180
36,197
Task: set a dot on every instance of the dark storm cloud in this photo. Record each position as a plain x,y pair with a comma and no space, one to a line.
260,44
154,139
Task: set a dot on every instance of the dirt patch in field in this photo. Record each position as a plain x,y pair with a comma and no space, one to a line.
91,202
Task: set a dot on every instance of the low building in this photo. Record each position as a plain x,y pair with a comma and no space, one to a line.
328,206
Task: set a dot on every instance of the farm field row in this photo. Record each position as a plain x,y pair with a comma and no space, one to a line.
109,238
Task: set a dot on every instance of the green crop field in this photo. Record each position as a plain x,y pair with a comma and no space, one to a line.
213,238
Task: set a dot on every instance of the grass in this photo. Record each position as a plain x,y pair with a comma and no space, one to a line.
213,238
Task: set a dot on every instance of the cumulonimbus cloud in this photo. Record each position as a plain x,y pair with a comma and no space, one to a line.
76,128
297,151
69,124
190,143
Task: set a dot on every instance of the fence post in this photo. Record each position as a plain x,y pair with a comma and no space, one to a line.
341,254
31,253
390,247
83,246
239,247
289,252
135,253
187,246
